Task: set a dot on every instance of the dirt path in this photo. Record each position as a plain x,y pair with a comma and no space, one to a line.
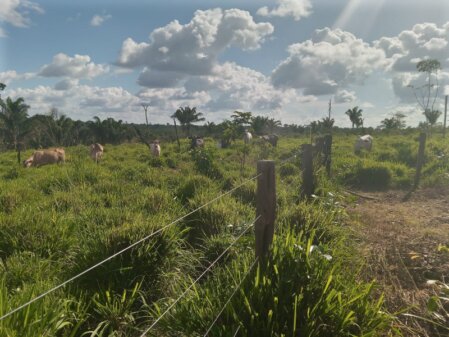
400,240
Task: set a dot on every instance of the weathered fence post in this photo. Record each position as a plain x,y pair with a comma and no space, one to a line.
328,153
265,206
307,187
420,159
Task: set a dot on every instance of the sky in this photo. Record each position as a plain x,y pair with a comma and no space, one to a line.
284,59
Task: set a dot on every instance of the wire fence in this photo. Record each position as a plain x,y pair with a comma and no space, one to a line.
230,298
84,272
124,249
198,278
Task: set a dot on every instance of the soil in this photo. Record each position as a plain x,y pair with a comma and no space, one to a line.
399,237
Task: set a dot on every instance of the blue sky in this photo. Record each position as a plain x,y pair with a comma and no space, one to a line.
283,58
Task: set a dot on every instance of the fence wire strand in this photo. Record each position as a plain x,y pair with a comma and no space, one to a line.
285,161
199,277
124,250
230,298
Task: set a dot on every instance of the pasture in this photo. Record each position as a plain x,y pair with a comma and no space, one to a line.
320,278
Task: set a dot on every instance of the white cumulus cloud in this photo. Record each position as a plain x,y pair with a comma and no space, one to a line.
10,76
193,48
16,12
295,8
98,20
78,66
345,96
328,62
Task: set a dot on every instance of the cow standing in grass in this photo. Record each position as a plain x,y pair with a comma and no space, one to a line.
155,148
96,152
247,137
45,157
363,142
196,142
272,139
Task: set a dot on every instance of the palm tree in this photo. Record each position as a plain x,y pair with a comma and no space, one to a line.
259,124
355,115
14,117
326,123
273,124
187,116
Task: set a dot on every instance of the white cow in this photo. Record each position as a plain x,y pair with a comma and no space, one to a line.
247,137
155,148
96,152
45,157
363,142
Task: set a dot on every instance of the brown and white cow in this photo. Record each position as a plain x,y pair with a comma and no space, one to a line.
96,152
44,157
272,139
196,142
155,148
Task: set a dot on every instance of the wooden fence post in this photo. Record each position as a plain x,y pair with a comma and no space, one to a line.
328,153
307,187
420,159
265,206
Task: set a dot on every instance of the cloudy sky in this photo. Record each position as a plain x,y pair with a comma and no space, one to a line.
282,58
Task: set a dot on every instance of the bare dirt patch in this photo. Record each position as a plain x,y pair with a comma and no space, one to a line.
399,240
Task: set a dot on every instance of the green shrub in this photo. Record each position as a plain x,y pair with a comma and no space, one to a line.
204,163
191,186
296,292
370,176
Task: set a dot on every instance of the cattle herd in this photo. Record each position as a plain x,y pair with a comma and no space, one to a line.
57,155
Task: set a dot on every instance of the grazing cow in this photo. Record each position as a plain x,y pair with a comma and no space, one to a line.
247,137
196,142
272,139
363,142
44,157
155,148
96,152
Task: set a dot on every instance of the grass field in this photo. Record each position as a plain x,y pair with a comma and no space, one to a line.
56,221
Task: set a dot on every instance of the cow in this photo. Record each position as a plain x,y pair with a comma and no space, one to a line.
96,152
44,157
363,142
272,139
196,142
247,136
155,148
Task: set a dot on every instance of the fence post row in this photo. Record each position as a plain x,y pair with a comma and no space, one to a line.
420,159
307,187
265,206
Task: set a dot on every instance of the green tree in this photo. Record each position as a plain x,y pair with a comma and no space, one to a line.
272,124
241,118
432,116
15,126
395,122
427,93
187,116
355,116
259,124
